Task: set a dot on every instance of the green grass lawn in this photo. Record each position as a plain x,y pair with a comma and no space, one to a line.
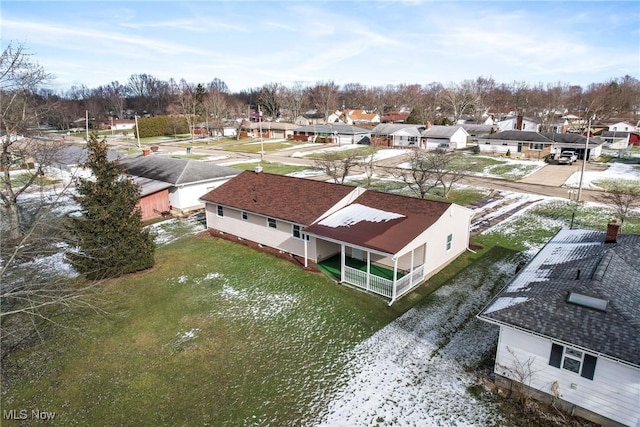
276,168
256,147
216,334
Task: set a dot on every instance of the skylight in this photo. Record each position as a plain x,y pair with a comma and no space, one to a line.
587,301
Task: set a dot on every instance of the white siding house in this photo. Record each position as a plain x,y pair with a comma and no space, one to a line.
408,239
569,324
189,179
454,136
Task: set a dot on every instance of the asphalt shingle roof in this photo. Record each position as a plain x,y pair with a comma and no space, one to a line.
409,216
175,171
296,200
578,261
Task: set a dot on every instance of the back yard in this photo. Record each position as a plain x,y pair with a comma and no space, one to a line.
219,334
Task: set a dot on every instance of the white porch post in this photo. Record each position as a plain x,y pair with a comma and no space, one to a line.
395,278
342,262
368,269
424,260
306,251
411,269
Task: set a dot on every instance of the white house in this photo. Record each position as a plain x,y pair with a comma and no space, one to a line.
398,134
569,326
518,123
189,179
454,136
383,243
623,127
537,145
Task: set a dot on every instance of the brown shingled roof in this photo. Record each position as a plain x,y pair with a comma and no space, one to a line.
386,236
296,200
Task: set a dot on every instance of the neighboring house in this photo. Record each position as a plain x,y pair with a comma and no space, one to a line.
188,179
570,325
362,117
455,137
395,117
122,124
397,135
536,145
337,133
272,130
67,162
518,123
623,127
383,243
616,140
307,119
479,130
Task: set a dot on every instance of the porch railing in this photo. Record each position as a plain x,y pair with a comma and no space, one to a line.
380,285
405,284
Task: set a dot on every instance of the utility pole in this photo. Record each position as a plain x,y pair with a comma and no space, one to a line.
260,129
584,161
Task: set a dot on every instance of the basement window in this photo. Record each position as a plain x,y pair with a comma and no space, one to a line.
271,222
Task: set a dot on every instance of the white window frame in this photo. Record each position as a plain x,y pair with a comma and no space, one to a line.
272,221
532,146
220,211
296,229
449,242
244,215
573,356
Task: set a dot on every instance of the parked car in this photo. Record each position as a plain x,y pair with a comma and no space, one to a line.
567,157
444,147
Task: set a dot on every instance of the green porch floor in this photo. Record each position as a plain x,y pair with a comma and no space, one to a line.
331,267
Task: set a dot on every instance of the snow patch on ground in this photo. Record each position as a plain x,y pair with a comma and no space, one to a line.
413,372
326,150
615,171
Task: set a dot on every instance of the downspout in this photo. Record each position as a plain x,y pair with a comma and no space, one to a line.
395,275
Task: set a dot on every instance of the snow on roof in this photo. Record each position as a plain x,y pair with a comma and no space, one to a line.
356,213
504,302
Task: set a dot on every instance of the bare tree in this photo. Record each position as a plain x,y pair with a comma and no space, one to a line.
419,176
338,164
293,99
268,99
215,108
324,97
459,99
368,163
623,196
189,102
19,79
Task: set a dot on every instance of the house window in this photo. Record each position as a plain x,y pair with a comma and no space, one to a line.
271,222
535,146
245,215
573,360
298,234
220,211
449,240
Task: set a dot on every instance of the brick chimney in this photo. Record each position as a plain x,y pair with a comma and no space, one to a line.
613,228
519,122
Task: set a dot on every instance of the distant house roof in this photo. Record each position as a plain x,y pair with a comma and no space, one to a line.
614,134
71,155
296,200
175,171
579,262
397,129
545,138
438,131
149,186
381,221
342,129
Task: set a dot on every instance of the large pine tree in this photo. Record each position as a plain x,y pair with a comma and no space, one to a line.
110,237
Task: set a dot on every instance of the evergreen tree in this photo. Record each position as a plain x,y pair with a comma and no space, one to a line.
110,237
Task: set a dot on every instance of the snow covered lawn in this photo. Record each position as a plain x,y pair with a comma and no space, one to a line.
615,170
414,371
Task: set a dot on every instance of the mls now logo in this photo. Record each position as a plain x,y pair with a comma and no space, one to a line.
23,414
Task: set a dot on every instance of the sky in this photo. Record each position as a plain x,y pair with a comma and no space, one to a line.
248,44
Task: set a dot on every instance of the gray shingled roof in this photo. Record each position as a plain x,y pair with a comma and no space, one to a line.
578,261
341,128
437,131
175,171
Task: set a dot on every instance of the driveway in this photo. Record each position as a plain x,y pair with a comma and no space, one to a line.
557,175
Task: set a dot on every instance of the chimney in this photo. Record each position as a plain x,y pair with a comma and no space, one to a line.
612,232
519,122
258,168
